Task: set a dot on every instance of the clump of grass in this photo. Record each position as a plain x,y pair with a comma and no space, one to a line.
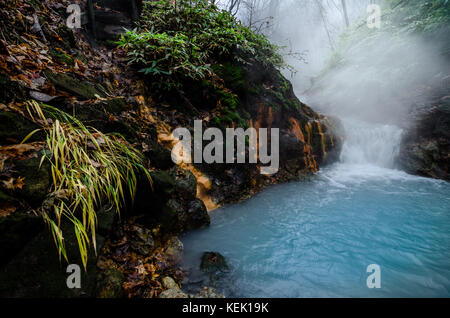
89,169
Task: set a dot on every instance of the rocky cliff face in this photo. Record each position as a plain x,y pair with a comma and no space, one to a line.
307,139
425,148
136,253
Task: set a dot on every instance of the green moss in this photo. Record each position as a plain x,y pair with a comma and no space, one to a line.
62,57
280,98
74,86
163,181
233,76
37,178
228,99
233,116
15,128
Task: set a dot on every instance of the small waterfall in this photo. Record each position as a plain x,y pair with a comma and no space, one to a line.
373,144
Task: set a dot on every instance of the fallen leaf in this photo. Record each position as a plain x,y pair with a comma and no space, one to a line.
21,151
12,183
6,209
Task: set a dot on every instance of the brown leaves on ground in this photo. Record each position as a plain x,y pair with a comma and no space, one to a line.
6,209
13,183
142,272
21,151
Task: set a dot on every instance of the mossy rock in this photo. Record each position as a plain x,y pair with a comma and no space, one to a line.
185,183
197,216
37,272
106,217
160,157
84,90
233,76
16,230
114,105
213,262
163,182
15,128
61,57
95,116
11,90
37,179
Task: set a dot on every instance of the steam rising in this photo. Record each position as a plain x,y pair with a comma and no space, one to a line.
383,80
381,77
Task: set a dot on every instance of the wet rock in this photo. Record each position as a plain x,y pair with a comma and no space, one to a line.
36,271
65,82
185,182
163,182
173,293
153,202
197,215
425,147
168,216
16,230
334,139
213,262
110,284
174,250
11,90
142,240
208,292
15,128
37,178
105,220
169,283
291,153
113,105
160,157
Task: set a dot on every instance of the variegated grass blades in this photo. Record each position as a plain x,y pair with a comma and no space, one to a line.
89,169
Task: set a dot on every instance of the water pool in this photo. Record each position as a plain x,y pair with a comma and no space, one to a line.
316,238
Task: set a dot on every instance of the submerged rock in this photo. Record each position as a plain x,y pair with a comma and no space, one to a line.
213,262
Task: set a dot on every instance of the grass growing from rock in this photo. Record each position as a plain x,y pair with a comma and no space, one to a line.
89,169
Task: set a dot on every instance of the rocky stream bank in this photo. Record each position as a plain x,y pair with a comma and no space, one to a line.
138,251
